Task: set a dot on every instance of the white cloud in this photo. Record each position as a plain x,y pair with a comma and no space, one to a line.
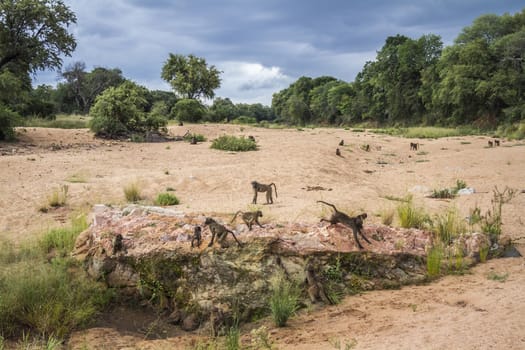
245,82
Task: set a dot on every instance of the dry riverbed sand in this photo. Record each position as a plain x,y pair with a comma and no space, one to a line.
470,311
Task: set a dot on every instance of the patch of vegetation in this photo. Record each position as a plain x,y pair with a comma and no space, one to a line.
428,132
449,192
491,221
48,299
244,120
497,276
60,122
58,197
411,216
198,137
132,192
512,131
406,199
284,300
76,178
387,216
166,198
233,143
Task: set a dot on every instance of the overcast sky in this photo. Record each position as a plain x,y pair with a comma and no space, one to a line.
261,46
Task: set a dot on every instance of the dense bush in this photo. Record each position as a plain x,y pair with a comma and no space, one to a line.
121,111
188,110
233,143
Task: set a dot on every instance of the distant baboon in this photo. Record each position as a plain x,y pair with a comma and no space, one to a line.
220,231
197,236
249,218
337,152
496,142
414,146
181,123
315,289
118,245
491,144
366,147
355,223
193,140
257,187
342,143
250,137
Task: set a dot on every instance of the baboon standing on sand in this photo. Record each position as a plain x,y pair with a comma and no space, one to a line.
258,187
249,218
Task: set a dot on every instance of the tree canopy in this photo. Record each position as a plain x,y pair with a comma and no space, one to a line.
190,76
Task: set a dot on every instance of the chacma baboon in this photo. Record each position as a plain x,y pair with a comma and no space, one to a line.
491,144
366,147
496,142
220,231
414,146
337,152
118,245
355,223
197,236
257,187
250,137
342,143
249,218
315,289
193,140
181,123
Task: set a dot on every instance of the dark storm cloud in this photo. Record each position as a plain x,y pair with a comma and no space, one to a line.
261,46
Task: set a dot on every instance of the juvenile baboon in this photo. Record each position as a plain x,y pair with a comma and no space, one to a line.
414,146
220,231
496,142
118,245
197,236
337,152
315,289
193,140
250,137
491,144
355,223
249,218
181,123
257,187
342,143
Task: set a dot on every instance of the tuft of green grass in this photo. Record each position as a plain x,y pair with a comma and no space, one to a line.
434,257
62,240
166,199
448,226
233,143
284,300
58,197
198,137
412,216
132,192
387,216
76,178
233,337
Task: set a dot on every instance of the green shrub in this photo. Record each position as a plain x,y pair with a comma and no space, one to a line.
283,300
188,110
233,143
198,137
59,197
166,199
8,121
244,120
132,192
62,240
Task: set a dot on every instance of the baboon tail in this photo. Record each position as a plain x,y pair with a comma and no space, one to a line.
333,206
275,189
237,213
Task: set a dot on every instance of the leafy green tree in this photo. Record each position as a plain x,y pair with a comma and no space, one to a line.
121,111
223,109
33,33
33,36
190,76
81,87
188,110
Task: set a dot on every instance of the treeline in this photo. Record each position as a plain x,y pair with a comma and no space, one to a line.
479,80
77,90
